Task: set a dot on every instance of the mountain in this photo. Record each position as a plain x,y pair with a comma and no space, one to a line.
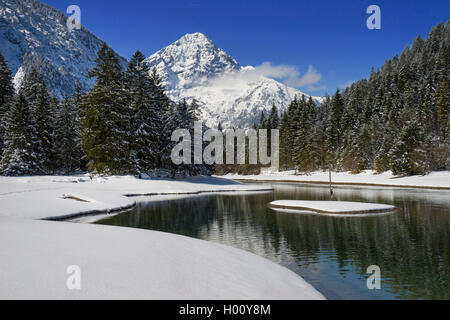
34,35
194,67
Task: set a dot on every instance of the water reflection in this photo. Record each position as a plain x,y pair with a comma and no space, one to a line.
412,246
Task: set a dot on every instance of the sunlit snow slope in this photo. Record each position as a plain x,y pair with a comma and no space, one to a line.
194,67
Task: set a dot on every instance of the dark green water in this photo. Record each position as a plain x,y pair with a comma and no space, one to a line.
411,246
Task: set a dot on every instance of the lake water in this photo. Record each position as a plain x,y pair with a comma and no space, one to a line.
411,246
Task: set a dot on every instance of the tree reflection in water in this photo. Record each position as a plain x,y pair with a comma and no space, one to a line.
411,246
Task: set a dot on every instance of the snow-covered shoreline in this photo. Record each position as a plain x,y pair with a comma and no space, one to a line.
64,197
123,263
435,180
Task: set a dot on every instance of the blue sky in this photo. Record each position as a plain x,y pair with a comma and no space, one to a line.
331,36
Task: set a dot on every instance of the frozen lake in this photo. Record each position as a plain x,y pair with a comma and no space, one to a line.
411,246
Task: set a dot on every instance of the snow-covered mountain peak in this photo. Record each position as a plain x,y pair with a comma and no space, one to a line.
34,35
194,67
196,38
191,61
199,49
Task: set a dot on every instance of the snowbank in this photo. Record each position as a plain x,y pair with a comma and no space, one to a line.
123,263
434,180
63,197
334,207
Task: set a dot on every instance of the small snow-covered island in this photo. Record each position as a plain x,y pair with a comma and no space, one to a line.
332,207
181,174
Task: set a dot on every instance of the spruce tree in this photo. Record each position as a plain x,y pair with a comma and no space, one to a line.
44,117
180,119
67,137
6,84
37,97
20,137
401,156
6,94
104,117
443,88
262,121
334,133
144,127
274,119
365,124
284,136
164,111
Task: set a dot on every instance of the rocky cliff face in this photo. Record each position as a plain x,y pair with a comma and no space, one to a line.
34,35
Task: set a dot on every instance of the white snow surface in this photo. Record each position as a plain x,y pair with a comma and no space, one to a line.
194,67
53,197
333,206
123,263
438,180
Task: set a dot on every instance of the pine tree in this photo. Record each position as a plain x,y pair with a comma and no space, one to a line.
143,126
67,136
180,119
262,121
401,155
194,110
6,94
195,113
169,124
288,132
363,149
164,112
6,84
19,157
334,133
37,97
443,90
300,146
274,119
43,115
105,117
272,122
364,126
77,100
284,137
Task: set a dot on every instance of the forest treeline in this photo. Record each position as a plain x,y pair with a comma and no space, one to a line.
123,125
397,119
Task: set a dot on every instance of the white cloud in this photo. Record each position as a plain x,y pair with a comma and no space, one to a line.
289,75
308,79
347,84
317,88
